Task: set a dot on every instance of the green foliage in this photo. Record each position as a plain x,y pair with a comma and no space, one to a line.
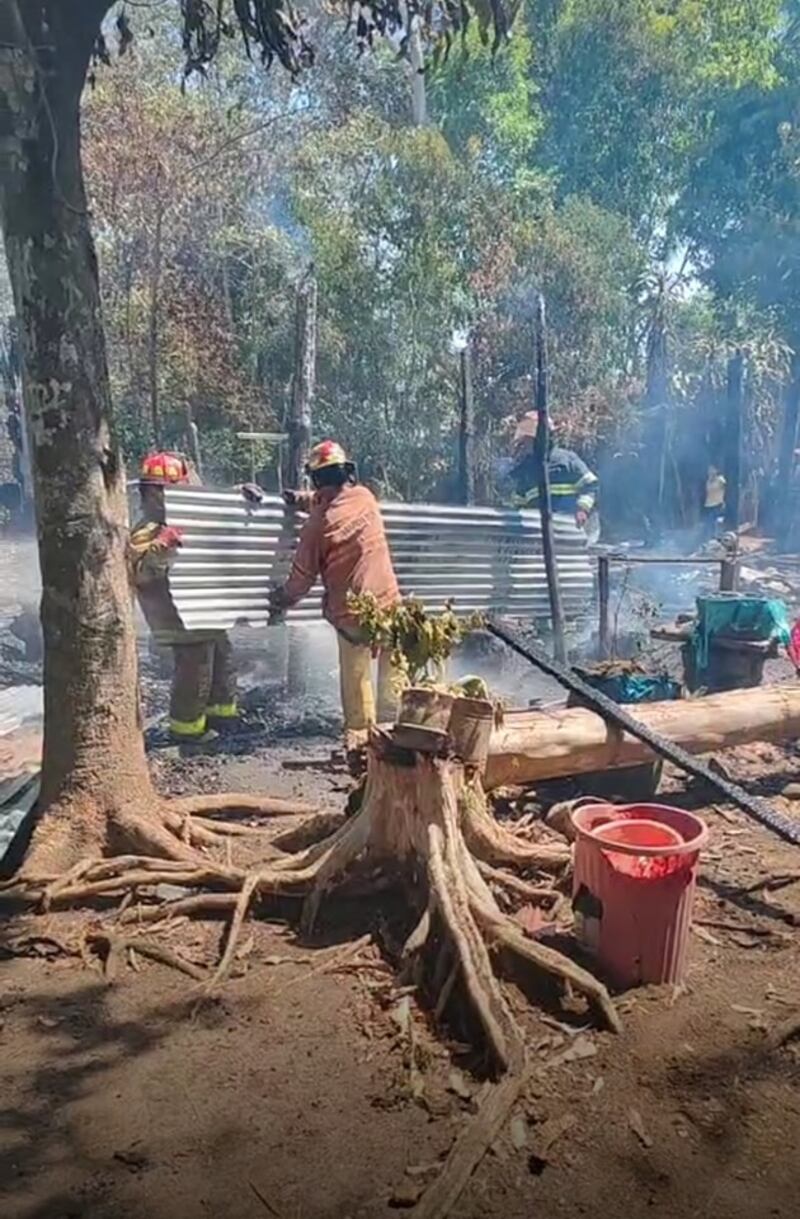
741,205
607,144
489,110
420,643
228,460
625,82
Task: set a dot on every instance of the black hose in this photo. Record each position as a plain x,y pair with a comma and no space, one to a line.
613,713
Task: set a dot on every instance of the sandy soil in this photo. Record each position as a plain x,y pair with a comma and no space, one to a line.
293,1095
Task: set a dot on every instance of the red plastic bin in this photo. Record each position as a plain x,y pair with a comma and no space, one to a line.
633,888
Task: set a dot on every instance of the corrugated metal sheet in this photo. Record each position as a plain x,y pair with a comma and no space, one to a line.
20,705
479,558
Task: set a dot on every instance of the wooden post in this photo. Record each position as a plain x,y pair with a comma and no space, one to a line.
299,423
545,509
466,431
603,597
299,429
193,441
657,399
733,439
728,576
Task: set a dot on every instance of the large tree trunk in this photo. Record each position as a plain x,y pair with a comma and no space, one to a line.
93,747
531,745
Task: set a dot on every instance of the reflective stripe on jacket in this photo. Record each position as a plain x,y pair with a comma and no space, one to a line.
152,549
573,486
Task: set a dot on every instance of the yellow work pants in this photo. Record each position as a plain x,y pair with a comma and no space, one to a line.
358,695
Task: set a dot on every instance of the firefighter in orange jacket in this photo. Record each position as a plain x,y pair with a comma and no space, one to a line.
343,543
204,676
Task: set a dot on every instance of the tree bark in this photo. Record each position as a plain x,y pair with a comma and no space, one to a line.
733,439
545,506
530,745
466,430
416,58
93,748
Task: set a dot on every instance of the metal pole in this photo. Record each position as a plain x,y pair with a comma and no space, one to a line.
466,433
603,597
545,508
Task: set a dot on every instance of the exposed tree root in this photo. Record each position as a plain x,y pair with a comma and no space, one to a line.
242,804
537,894
202,903
115,946
239,912
491,842
496,1102
508,936
419,817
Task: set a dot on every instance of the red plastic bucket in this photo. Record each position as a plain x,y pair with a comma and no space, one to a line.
633,888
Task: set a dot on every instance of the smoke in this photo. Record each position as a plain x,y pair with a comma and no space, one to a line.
20,581
508,676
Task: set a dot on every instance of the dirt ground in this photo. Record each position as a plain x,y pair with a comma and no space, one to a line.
312,1089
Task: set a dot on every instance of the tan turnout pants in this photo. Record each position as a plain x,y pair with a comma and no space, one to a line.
359,705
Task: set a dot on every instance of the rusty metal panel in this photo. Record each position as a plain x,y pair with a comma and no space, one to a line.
477,558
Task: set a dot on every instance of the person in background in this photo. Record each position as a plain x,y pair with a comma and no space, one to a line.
713,502
573,486
203,691
343,543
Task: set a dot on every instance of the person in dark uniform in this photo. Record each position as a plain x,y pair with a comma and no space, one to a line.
573,486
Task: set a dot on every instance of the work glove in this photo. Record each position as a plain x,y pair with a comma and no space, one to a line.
301,500
252,493
169,538
277,606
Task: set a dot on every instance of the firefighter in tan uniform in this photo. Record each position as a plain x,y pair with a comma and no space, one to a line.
343,543
204,676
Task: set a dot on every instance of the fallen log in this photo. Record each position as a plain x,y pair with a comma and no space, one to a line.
531,745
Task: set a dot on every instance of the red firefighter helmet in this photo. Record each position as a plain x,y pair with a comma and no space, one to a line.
326,453
164,469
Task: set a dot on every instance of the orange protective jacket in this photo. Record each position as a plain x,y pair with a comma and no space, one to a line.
344,543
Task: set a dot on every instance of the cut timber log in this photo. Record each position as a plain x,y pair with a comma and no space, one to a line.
532,745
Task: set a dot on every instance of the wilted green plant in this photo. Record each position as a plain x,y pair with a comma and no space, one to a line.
420,643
